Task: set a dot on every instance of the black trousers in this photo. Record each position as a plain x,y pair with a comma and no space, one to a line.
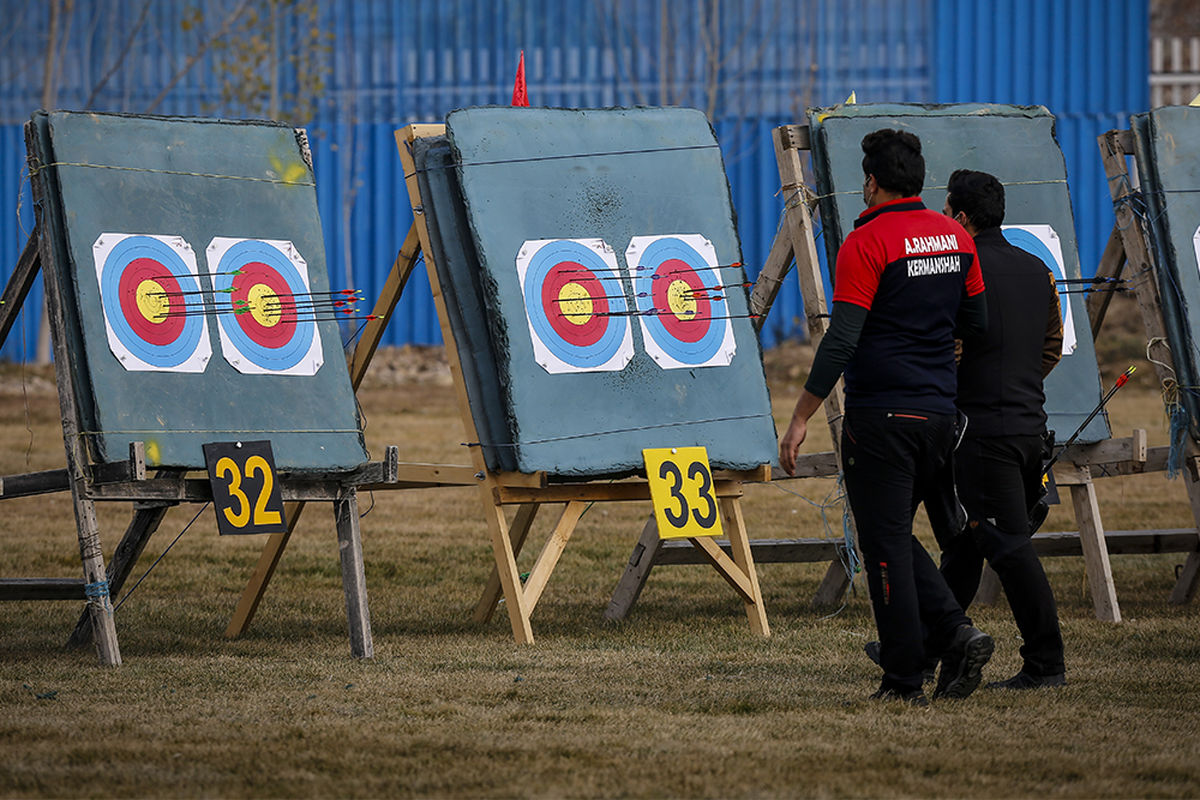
891,460
998,480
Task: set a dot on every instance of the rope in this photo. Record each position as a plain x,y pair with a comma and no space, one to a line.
572,436
34,170
160,558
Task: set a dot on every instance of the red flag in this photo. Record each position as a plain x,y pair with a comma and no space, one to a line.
520,95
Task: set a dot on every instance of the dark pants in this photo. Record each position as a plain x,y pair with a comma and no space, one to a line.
891,460
999,479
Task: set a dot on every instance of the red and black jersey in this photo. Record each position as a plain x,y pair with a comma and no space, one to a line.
910,267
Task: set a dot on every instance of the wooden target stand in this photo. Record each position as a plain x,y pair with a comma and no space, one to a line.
1076,470
151,495
528,493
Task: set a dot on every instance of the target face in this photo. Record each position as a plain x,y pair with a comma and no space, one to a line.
265,312
1043,242
575,304
152,303
680,300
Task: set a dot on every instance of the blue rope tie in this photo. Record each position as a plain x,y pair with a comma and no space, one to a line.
97,589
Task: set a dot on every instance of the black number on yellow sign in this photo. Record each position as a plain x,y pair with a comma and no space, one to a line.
245,492
681,486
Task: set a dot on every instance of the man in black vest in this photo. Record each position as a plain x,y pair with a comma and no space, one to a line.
998,466
907,278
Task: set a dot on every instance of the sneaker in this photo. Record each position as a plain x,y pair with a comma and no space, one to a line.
927,673
1025,680
962,665
914,697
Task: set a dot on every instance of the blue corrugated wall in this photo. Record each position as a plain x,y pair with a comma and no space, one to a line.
401,61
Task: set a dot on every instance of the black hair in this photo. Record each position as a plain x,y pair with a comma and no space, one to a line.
894,158
978,195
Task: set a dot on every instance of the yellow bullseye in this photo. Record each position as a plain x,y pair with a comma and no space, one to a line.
264,305
152,301
575,303
681,299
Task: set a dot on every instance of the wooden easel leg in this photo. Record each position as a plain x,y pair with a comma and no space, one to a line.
372,334
145,522
833,586
256,587
354,582
1095,552
989,587
637,571
518,531
739,547
19,283
1189,577
506,566
95,580
551,551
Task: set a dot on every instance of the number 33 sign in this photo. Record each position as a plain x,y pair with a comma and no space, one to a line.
681,488
245,493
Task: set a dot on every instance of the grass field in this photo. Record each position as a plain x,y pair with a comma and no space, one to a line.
679,700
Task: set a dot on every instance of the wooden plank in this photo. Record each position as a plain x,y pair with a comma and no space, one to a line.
19,283
1189,577
770,278
735,524
58,480
99,602
725,566
146,519
1112,263
597,492
1095,554
502,547
518,532
766,551
42,589
798,224
811,465
354,582
385,305
989,586
539,576
645,555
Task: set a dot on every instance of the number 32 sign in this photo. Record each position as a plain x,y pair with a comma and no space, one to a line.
681,488
245,493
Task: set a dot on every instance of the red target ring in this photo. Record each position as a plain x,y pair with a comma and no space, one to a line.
147,312
574,303
270,316
682,301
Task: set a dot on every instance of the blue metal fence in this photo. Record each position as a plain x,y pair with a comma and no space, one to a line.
754,65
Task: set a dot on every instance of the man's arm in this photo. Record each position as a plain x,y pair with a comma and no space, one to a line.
835,352
1052,349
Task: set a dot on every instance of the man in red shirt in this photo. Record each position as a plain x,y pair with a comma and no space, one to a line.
907,282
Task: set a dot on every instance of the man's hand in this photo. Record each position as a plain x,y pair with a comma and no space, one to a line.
797,430
789,445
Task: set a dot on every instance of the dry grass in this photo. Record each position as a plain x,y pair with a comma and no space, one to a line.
679,700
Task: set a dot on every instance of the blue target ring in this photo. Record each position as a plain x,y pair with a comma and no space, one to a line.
696,347
158,262
1018,237
286,282
601,291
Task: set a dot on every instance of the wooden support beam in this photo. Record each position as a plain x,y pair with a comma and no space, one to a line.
146,519
42,589
739,546
1112,262
19,284
645,555
535,584
597,492
354,584
518,532
724,565
99,602
1095,553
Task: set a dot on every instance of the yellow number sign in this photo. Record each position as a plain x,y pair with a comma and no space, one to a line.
681,488
245,493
